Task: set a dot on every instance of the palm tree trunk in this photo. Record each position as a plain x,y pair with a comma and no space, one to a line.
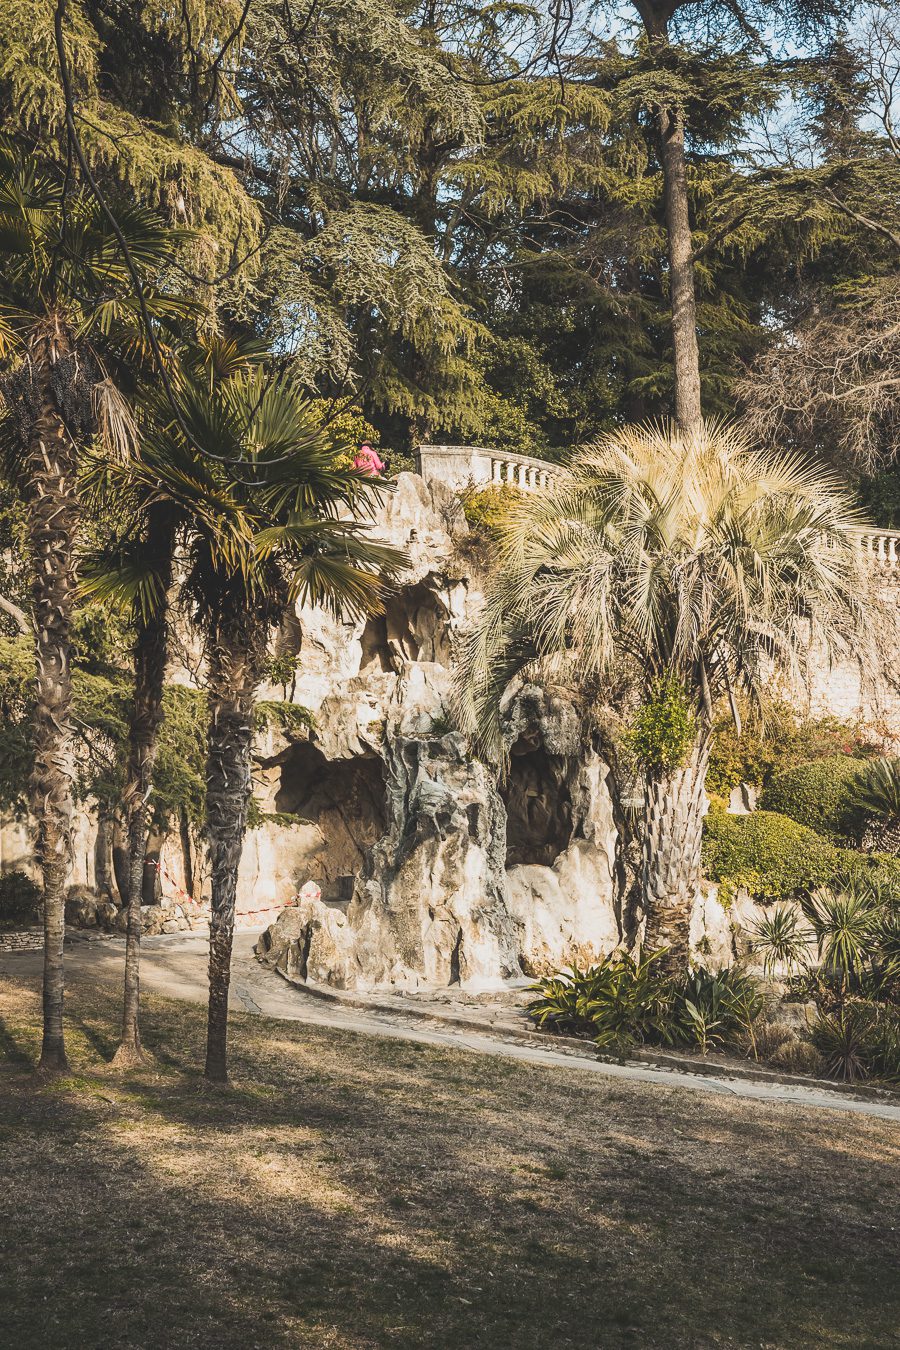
236,659
671,864
53,514
150,654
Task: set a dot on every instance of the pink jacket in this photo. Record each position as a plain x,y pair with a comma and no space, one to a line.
367,459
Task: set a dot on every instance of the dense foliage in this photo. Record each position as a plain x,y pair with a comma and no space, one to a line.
622,1002
452,220
781,741
820,794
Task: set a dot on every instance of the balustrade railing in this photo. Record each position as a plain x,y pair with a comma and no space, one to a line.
880,548
461,466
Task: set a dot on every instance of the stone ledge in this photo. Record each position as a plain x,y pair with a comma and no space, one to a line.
29,940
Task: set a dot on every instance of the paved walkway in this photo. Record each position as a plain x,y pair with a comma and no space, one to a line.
175,965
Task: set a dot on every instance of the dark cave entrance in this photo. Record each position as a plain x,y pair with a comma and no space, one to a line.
345,799
538,805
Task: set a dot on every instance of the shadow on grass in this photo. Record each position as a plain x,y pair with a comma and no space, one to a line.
12,1050
365,1194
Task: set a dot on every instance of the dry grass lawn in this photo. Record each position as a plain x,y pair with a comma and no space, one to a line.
353,1192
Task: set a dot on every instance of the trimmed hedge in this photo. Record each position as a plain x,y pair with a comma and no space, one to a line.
777,858
774,857
818,794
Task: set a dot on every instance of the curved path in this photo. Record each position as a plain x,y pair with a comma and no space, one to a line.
175,966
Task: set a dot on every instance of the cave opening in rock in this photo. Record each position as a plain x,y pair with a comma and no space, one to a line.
345,800
538,805
415,626
376,652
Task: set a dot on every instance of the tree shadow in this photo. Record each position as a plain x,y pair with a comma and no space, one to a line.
10,1049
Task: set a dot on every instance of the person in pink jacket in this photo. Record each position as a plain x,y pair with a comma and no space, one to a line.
368,460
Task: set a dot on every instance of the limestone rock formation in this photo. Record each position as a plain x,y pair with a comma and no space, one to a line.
431,873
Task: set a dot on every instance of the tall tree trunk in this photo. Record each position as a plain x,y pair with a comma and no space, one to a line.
682,298
655,15
53,530
671,865
236,660
104,877
187,857
150,653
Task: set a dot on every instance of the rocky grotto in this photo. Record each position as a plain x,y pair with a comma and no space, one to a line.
431,873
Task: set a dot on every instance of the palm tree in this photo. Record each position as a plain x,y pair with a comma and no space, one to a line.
262,510
701,562
136,570
66,308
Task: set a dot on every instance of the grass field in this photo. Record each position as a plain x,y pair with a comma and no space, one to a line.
355,1192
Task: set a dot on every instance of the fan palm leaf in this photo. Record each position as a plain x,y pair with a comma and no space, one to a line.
703,561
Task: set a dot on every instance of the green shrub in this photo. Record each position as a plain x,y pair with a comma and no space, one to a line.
859,1040
783,742
716,1008
487,508
19,898
623,1002
819,794
664,727
774,857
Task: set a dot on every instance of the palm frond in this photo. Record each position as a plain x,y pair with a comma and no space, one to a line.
687,552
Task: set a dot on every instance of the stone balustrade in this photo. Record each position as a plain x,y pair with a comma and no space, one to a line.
880,548
460,466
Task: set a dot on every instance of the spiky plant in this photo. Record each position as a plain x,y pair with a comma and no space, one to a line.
68,331
845,919
876,797
266,518
782,939
705,563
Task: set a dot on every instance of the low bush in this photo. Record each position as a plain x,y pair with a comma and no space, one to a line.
487,508
774,857
19,898
859,1040
819,794
783,742
622,1002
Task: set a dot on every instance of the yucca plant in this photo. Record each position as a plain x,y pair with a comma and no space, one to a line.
845,921
783,939
702,562
844,1040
